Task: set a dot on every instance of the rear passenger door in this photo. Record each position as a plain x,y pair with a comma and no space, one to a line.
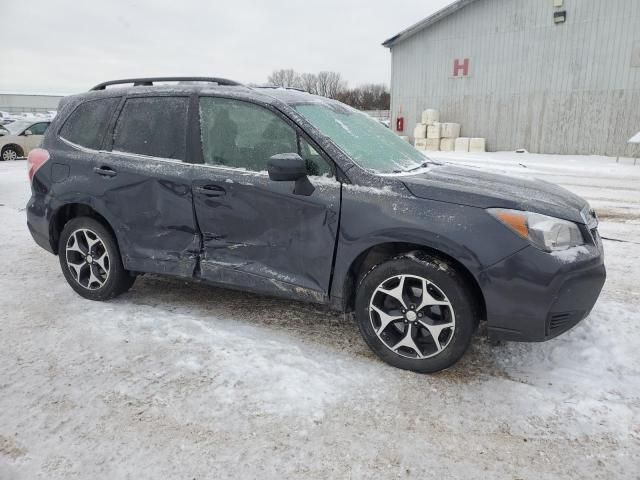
145,184
257,234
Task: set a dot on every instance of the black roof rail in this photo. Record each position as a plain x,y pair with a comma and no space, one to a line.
149,81
298,89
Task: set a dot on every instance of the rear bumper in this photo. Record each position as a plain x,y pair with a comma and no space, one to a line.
38,221
533,296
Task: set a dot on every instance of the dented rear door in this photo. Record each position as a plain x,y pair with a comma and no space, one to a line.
145,185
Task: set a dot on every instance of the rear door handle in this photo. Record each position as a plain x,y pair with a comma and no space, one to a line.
210,190
105,171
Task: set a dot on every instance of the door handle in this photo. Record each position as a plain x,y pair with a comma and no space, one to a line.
210,190
105,171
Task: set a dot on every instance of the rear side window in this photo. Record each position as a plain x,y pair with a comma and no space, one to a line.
87,124
153,126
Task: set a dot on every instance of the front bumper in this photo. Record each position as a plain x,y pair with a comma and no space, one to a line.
534,296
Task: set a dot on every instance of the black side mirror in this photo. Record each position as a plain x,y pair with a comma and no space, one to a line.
290,167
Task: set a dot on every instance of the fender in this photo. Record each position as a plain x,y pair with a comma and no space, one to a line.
461,232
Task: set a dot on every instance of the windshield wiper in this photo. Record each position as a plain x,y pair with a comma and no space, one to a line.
422,165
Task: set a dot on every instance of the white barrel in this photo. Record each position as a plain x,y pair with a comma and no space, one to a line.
430,116
450,130
447,144
433,131
420,131
420,143
433,144
462,144
477,145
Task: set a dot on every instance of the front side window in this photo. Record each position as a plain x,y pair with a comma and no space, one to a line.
316,165
39,128
87,125
242,135
153,126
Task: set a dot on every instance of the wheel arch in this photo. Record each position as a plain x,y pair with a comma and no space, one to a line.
15,146
381,252
68,212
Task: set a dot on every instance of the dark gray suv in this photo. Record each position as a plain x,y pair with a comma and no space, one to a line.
284,193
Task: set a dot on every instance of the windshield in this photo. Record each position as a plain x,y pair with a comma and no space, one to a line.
17,127
369,143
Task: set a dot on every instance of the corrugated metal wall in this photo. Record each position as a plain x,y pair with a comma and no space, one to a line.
568,88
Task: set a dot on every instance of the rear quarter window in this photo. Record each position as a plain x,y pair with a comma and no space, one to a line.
87,124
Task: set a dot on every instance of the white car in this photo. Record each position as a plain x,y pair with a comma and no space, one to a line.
23,136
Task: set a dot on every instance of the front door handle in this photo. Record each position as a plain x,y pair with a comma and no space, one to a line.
210,190
105,171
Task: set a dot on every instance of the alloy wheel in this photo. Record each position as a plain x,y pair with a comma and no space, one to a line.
87,259
9,155
412,316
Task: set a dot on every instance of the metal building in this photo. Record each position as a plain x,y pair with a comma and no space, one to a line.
551,76
28,103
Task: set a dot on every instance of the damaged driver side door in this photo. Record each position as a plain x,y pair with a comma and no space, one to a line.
257,234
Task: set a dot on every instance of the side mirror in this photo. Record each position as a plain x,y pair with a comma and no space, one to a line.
290,167
3,132
27,133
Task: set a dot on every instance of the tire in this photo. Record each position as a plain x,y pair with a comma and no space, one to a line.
90,260
9,153
425,333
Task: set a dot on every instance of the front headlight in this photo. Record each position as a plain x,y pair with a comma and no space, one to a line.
546,233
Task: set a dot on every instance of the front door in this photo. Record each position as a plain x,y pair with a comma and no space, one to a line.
257,234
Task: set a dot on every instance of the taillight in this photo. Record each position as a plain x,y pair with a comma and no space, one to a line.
37,157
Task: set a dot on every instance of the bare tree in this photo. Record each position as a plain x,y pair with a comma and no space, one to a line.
285,78
367,97
309,82
370,96
330,84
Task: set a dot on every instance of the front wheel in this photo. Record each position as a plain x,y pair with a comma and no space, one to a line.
90,260
416,313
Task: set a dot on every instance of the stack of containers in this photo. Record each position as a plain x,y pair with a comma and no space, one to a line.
431,135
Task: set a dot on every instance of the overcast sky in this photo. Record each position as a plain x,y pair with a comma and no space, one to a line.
65,46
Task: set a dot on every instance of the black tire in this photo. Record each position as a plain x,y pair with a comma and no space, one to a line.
116,281
11,151
460,311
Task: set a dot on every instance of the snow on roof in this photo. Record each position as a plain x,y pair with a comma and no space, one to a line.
427,22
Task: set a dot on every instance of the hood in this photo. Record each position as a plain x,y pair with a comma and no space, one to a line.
476,188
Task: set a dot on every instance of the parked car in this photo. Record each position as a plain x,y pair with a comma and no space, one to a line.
280,192
22,137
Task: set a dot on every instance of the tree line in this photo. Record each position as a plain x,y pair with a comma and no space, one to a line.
370,96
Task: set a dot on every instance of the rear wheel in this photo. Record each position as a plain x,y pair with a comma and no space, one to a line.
9,153
416,313
90,260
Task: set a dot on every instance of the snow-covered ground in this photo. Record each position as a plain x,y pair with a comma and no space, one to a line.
180,380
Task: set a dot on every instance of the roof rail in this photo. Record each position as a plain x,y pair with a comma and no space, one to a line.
138,82
299,89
